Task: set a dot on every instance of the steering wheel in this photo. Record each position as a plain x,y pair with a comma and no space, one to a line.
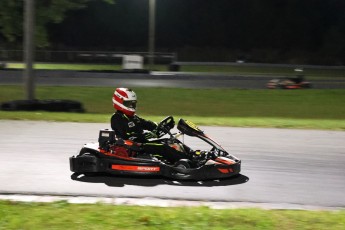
165,126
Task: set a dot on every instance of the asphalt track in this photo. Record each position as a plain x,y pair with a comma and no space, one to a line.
155,79
281,167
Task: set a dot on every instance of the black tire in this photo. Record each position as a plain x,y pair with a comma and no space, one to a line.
308,86
91,174
87,152
183,163
46,105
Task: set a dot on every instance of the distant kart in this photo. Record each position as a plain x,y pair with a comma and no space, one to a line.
289,83
123,157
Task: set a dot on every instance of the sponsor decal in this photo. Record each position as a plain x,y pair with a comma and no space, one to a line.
142,168
192,125
131,124
136,168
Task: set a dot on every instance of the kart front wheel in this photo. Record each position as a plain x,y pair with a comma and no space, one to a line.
183,163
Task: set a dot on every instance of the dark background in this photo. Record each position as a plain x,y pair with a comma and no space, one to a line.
275,31
268,31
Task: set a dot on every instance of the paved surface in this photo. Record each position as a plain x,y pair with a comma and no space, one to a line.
280,167
156,79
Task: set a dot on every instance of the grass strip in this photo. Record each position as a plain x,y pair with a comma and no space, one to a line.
63,215
300,104
320,124
315,109
77,66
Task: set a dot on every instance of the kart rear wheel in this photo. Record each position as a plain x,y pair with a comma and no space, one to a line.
307,86
85,163
91,174
87,152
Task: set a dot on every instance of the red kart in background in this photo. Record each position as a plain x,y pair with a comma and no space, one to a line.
297,82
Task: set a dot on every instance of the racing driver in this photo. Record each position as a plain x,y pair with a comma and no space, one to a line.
129,126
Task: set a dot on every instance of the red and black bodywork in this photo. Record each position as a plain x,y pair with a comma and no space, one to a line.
297,82
116,157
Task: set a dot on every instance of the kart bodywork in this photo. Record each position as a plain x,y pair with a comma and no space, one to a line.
297,82
117,157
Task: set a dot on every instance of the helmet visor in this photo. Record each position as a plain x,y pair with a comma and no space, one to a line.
130,104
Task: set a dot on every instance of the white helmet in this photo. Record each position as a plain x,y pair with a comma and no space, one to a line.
125,100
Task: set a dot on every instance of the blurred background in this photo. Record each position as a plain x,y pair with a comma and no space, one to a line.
268,31
227,44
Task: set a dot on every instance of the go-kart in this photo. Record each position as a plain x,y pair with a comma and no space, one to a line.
297,82
115,156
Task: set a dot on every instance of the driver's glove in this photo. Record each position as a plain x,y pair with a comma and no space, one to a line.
120,142
158,133
149,135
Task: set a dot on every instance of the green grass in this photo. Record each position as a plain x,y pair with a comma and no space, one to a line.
67,66
318,109
62,215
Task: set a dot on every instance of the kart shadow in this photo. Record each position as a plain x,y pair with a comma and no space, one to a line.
121,181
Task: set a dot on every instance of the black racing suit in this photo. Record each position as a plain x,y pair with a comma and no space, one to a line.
132,128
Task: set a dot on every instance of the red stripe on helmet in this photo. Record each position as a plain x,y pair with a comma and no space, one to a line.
122,93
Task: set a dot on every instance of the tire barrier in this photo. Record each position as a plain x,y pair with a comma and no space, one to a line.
45,105
2,65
